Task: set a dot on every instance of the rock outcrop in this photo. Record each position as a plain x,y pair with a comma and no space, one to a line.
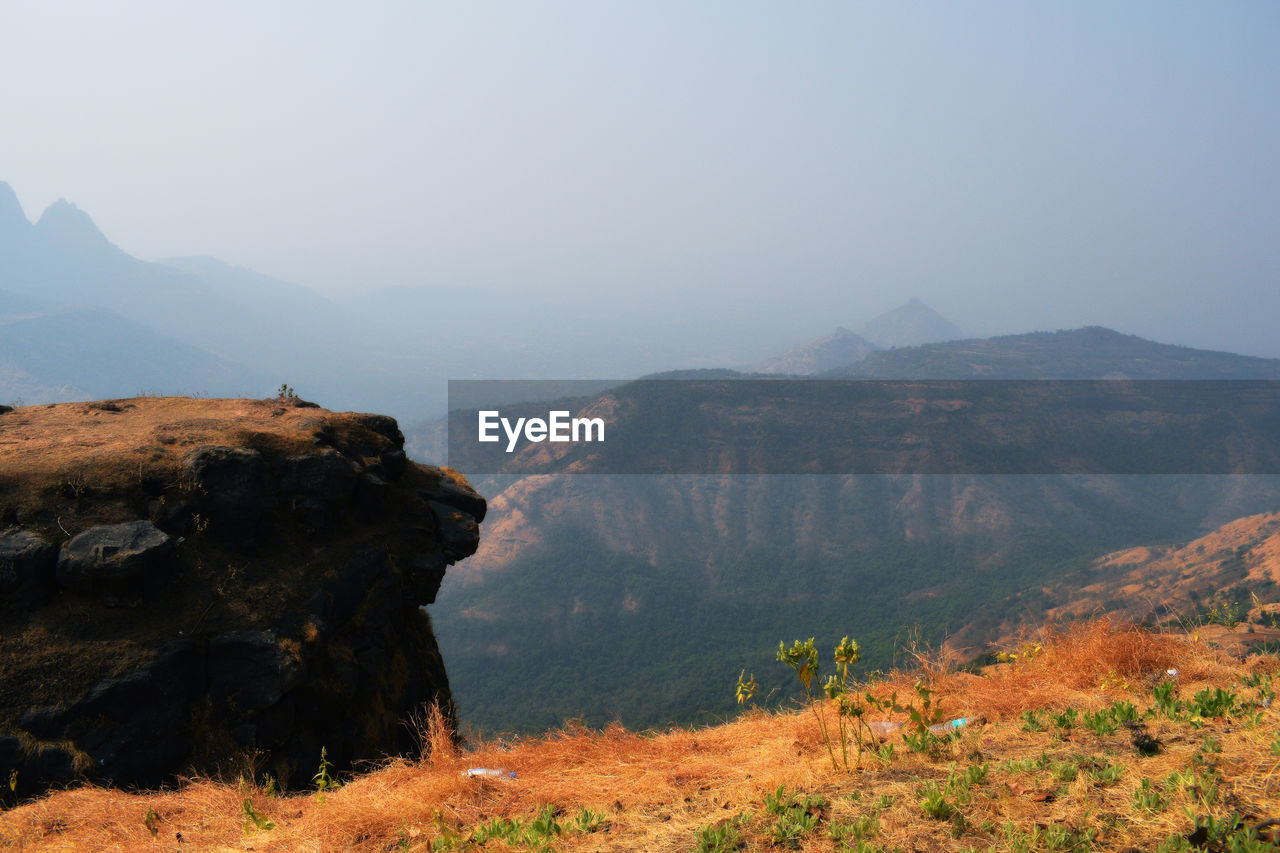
204,585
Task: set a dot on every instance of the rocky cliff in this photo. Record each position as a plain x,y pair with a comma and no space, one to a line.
185,584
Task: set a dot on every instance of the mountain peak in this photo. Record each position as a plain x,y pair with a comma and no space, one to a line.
835,350
66,223
12,217
908,325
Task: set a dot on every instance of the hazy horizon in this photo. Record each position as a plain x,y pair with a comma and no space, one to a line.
1015,167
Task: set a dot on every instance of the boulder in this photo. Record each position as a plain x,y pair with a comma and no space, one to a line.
111,554
25,558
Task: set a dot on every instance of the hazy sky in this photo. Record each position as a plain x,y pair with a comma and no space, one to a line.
1017,165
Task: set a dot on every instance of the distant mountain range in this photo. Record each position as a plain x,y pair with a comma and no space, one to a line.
834,351
82,318
908,325
1089,353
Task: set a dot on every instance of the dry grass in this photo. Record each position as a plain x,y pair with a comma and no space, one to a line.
658,789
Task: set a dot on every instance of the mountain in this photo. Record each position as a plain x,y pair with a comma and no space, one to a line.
909,325
835,350
251,331
676,579
1092,352
50,353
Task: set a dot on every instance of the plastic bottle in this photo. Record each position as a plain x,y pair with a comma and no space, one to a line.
949,726
489,771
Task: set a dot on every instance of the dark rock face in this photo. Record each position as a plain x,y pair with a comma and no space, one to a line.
269,603
26,562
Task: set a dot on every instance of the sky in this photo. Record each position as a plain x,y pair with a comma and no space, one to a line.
1016,165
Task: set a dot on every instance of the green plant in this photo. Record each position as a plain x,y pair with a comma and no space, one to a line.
720,838
1108,774
151,821
253,820
323,778
1101,723
790,828
1124,712
1055,838
587,821
851,705
886,801
885,754
1066,720
285,392
544,825
1165,695
1212,703
1031,722
1148,799
859,829
500,828
934,802
795,815
1066,771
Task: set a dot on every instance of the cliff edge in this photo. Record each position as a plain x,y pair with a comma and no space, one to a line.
184,583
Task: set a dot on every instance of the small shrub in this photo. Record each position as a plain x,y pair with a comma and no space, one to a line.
934,802
721,838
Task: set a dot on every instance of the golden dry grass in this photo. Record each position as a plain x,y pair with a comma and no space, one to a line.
658,789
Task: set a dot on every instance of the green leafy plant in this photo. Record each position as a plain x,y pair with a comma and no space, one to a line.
587,821
1107,774
1124,712
1165,695
323,778
1212,703
860,828
253,820
720,838
795,815
500,828
1066,771
1031,722
852,705
1148,799
152,822
1101,723
1066,720
544,825
934,802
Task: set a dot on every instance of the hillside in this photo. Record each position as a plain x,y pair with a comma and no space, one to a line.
1224,575
1101,738
670,577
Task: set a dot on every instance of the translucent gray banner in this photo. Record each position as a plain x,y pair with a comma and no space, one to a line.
798,426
